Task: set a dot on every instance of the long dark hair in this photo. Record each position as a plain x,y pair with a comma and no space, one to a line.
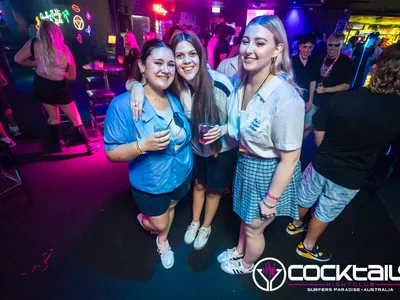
147,48
204,108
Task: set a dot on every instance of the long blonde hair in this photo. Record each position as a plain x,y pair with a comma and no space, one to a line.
51,47
282,65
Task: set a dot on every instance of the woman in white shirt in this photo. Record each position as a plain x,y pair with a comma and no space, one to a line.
267,117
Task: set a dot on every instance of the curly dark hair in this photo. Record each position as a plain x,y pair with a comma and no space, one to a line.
385,77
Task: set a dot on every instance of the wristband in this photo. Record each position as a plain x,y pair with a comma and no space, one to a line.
137,148
140,147
267,205
273,197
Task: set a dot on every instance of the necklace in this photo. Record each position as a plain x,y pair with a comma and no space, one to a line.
331,66
245,84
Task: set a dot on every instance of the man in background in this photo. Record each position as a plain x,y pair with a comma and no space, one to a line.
306,74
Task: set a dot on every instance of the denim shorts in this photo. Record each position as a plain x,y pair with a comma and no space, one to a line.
332,198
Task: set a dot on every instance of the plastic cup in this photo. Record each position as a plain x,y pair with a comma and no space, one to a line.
160,127
120,60
203,129
101,65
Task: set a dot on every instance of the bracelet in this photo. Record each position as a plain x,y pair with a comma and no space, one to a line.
273,197
135,84
138,144
267,205
137,148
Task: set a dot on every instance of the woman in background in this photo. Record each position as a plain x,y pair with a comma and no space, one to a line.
132,54
55,65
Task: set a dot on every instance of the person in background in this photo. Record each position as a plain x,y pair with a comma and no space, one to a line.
229,67
236,46
211,46
204,95
336,71
320,47
157,147
348,49
349,136
132,54
267,117
9,91
189,28
363,56
174,30
54,64
3,107
150,35
32,30
306,74
207,36
197,31
221,50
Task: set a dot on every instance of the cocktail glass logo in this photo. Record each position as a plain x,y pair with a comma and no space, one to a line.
269,274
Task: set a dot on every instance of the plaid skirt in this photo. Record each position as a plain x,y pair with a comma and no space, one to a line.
252,180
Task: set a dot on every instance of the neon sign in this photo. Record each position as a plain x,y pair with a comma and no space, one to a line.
88,16
54,16
78,22
79,38
159,9
88,30
76,8
37,22
65,15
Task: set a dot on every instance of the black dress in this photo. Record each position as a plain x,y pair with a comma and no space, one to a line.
130,63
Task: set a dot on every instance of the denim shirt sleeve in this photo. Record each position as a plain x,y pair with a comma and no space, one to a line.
119,128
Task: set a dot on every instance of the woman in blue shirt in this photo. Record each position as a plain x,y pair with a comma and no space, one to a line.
160,162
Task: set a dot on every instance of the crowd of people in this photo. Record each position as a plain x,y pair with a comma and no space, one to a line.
224,119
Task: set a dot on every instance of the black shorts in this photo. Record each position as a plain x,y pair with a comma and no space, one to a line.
157,204
216,174
51,91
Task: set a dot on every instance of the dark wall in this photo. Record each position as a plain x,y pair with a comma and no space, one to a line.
299,21
20,11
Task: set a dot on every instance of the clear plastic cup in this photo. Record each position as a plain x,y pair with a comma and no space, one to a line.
160,127
203,129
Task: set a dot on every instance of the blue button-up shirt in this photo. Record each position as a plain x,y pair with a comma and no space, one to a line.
156,172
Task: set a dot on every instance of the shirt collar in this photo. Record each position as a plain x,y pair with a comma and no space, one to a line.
269,88
149,112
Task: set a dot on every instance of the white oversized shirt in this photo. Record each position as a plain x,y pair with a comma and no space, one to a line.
273,119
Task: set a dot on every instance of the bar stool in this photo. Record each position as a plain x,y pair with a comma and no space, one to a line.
95,82
99,98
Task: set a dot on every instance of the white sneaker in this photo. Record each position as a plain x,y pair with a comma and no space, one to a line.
202,238
14,130
191,233
167,255
229,254
235,267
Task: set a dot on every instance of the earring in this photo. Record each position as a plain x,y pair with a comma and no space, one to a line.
273,58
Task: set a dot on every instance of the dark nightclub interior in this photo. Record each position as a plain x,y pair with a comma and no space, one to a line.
77,172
